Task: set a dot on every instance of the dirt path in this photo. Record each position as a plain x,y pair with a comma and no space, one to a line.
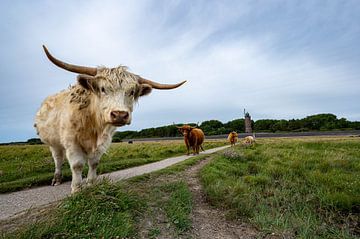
209,222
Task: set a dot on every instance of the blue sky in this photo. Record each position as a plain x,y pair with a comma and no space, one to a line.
277,59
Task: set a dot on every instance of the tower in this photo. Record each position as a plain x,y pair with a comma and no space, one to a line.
247,117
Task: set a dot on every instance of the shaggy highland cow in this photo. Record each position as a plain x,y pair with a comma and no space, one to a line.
193,138
78,123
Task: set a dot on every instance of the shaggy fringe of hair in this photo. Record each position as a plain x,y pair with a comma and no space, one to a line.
117,77
113,78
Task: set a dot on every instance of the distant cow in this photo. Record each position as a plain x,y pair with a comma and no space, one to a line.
193,138
232,138
79,122
249,140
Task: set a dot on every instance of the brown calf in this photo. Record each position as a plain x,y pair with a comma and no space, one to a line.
193,138
233,137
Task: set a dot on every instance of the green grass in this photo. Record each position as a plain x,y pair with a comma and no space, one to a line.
102,211
305,188
302,188
179,205
24,166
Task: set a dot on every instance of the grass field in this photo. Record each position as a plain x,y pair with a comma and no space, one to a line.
24,166
286,188
306,188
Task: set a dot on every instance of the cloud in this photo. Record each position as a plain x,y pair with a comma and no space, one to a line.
277,59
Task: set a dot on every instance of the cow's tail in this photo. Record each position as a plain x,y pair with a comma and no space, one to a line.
202,148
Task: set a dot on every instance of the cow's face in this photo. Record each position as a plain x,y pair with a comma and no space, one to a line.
185,130
114,98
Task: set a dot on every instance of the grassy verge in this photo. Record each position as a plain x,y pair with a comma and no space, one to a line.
24,166
302,188
104,211
117,210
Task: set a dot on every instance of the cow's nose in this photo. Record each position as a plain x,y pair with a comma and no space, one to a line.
119,116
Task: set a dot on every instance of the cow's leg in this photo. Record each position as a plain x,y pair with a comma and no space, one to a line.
58,156
187,147
195,147
76,160
93,163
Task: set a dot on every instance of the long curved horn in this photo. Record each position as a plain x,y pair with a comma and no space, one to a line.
73,68
159,86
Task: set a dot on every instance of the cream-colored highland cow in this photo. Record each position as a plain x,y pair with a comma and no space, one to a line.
249,140
78,123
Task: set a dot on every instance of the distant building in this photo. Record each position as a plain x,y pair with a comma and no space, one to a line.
248,128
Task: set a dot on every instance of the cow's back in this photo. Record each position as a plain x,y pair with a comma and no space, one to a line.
48,118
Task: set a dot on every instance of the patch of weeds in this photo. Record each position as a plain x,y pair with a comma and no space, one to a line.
258,180
154,233
179,205
253,168
233,155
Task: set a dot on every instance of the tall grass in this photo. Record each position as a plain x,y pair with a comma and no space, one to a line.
24,166
296,187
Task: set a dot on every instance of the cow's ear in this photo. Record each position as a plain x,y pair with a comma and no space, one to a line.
145,89
87,82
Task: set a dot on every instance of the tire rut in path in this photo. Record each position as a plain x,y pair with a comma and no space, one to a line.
210,222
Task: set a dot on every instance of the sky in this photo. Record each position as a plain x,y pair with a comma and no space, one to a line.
278,59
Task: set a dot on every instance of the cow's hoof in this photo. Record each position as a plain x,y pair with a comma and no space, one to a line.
56,181
90,182
75,190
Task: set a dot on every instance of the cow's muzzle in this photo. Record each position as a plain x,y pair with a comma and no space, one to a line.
119,118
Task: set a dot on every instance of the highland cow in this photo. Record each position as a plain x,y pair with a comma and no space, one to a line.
232,138
193,138
78,123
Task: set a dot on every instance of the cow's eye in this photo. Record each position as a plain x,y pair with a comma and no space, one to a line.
132,92
103,90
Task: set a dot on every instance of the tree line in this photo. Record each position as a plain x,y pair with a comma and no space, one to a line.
318,122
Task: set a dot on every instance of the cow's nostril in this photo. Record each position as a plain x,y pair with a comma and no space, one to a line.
125,115
113,115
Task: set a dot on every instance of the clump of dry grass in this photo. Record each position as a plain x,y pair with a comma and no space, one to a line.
233,155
